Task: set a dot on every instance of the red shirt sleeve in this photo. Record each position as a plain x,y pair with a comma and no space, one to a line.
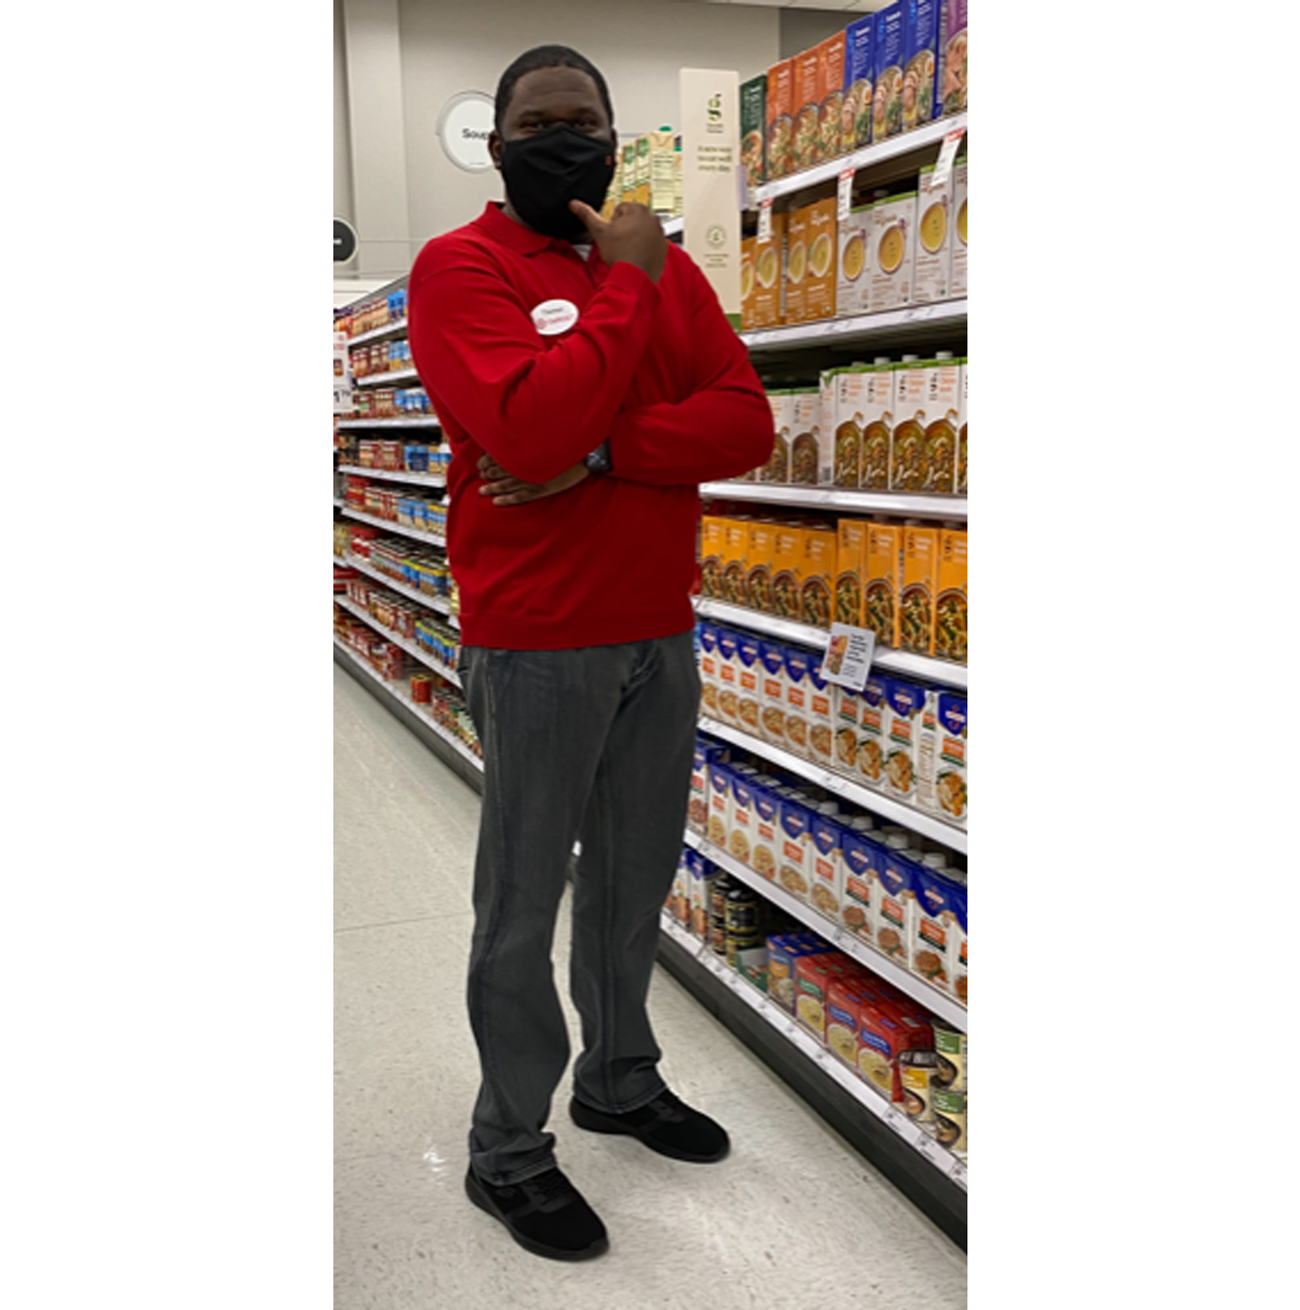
723,429
536,408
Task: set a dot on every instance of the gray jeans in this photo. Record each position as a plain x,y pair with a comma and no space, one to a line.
595,745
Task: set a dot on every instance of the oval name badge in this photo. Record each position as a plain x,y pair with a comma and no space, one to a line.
554,316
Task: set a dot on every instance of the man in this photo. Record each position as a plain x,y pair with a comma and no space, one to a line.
587,381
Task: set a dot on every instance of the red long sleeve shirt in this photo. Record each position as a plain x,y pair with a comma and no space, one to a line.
655,369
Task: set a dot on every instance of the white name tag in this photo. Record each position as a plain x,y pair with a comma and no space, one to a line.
554,316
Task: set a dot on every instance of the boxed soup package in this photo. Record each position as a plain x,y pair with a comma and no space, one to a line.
780,119
907,441
787,571
753,124
783,953
830,82
904,704
850,417
805,445
797,688
747,284
740,814
806,149
877,424
827,867
719,803
846,708
941,758
843,997
957,276
950,604
767,305
777,468
818,579
862,859
942,421
709,684
871,732
920,62
796,846
748,670
934,222
850,562
887,97
762,539
880,581
952,57
859,79
767,828
796,264
893,251
961,431
821,716
920,571
853,281
772,656
728,677
819,278
712,541
893,924
813,976
735,561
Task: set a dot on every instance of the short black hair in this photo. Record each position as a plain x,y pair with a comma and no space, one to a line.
548,56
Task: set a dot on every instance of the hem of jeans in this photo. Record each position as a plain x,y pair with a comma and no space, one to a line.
519,1176
639,1103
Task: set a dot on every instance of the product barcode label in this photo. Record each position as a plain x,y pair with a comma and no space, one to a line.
765,220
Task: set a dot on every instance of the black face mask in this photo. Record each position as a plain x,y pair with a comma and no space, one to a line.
544,172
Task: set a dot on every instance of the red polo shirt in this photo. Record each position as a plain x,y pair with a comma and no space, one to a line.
655,369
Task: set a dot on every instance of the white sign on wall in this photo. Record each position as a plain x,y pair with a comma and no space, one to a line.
463,128
710,157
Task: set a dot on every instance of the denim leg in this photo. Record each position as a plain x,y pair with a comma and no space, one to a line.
631,843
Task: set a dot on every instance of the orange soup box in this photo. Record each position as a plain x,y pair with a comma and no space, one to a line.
767,301
806,149
850,562
758,562
917,590
780,119
950,598
712,543
880,581
735,562
830,83
819,547
796,265
820,278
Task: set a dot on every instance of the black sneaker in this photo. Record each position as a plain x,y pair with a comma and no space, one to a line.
666,1125
545,1215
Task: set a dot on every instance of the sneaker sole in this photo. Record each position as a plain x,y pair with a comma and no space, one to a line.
595,1122
475,1192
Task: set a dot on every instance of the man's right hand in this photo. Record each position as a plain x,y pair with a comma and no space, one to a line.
634,235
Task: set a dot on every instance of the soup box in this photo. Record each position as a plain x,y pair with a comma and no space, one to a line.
920,62
887,95
859,81
853,277
893,251
934,237
772,682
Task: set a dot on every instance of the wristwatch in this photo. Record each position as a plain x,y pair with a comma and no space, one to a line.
598,460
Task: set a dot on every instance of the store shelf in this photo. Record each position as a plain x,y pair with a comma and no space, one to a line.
378,334
429,538
925,1146
386,475
881,502
673,227
944,1006
419,421
387,379
877,802
905,143
411,593
413,649
862,327
403,698
339,502
893,661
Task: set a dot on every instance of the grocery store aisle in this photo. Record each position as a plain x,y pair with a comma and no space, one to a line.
792,1218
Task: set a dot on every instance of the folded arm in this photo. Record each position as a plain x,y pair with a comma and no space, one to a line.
537,409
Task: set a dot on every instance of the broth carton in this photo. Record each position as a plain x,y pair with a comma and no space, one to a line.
942,421
952,58
759,563
787,571
877,424
894,251
907,470
709,684
805,446
850,562
796,265
772,658
850,388
934,223
871,732
941,758
916,599
818,578
748,671
904,704
820,278
728,678
862,860
950,621
957,275
797,689
767,828
853,279
827,867
880,582
767,304
777,468
806,147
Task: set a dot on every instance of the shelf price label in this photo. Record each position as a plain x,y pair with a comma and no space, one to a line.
845,193
765,223
947,153
848,656
932,1151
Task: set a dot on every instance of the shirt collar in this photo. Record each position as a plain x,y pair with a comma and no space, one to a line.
501,227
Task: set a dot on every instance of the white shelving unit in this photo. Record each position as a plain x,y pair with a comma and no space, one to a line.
880,502
429,538
339,502
932,134
917,988
378,334
435,603
861,327
893,661
673,227
402,698
877,802
419,421
413,649
386,475
944,1160
387,379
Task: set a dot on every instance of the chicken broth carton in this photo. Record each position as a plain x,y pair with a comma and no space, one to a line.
820,278
805,445
934,223
748,671
942,422
767,303
850,389
772,657
894,253
777,468
877,425
853,275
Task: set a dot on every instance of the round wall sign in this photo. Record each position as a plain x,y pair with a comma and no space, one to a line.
463,128
345,241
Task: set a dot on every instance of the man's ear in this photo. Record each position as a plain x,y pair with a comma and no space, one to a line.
495,146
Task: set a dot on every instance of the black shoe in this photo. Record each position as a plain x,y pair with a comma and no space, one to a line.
545,1215
665,1125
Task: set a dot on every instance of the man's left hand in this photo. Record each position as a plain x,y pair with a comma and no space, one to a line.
506,490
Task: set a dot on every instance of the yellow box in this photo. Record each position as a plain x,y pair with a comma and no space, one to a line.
850,562
762,543
735,569
880,582
748,284
820,277
796,265
769,270
920,572
818,581
950,604
787,571
712,540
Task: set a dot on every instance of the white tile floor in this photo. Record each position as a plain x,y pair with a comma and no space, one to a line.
793,1218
